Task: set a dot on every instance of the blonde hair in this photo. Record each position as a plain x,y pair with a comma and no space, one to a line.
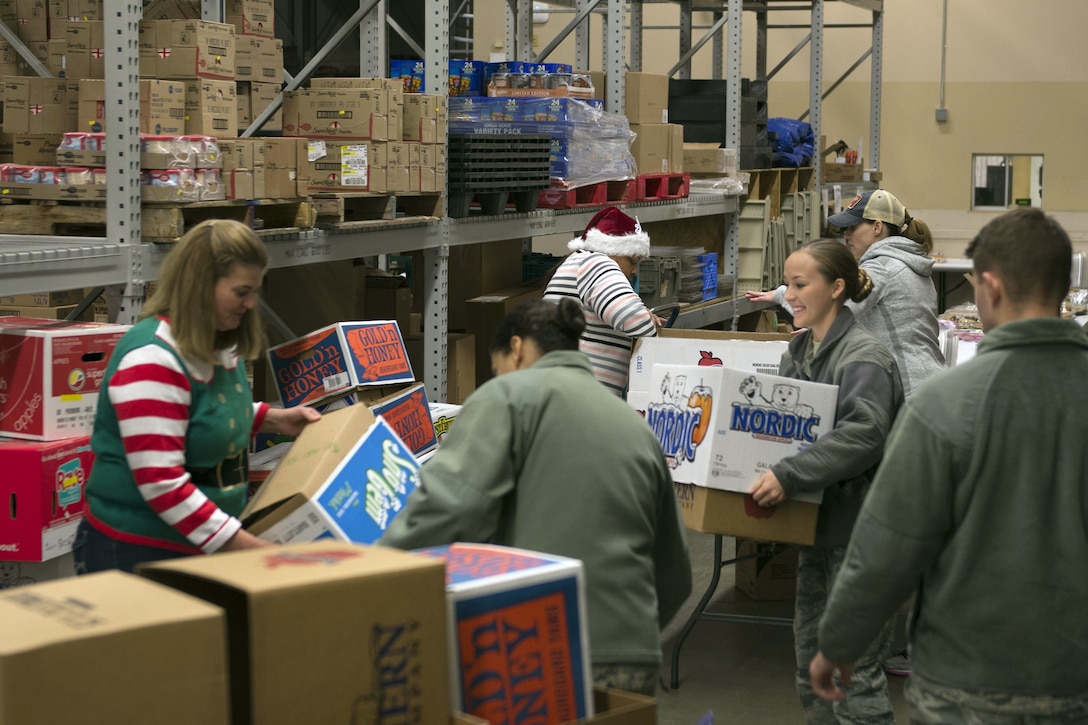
186,291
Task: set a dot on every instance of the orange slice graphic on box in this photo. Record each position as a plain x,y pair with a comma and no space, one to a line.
702,398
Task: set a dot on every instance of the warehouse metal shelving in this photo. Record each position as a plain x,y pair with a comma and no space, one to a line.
33,264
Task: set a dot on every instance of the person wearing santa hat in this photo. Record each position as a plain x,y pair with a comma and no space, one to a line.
598,274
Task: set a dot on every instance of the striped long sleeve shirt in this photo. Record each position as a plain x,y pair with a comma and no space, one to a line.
615,314
170,445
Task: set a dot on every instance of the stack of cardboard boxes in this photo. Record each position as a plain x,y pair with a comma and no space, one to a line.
50,376
52,126
658,147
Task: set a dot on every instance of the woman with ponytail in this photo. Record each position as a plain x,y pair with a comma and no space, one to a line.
821,277
544,457
893,248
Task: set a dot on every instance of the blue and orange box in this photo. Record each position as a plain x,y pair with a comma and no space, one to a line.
519,649
333,360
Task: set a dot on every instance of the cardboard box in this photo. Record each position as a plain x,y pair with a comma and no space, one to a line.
646,98
35,149
39,105
135,652
483,315
162,107
676,149
45,299
326,632
84,52
283,152
460,363
736,514
419,121
518,625
238,184
651,148
475,269
172,10
766,572
251,17
337,358
835,173
241,153
342,113
709,158
345,477
721,428
43,491
745,351
409,415
388,297
211,108
28,19
344,165
47,313
52,372
184,49
443,415
253,98
259,59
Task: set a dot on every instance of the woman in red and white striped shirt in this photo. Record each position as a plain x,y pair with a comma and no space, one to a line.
598,273
176,414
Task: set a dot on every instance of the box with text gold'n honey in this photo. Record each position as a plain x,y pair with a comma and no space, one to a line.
519,644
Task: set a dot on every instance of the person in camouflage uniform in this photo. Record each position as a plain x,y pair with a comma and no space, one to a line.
834,350
981,504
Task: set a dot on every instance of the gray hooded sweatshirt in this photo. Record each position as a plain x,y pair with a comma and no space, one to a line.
901,312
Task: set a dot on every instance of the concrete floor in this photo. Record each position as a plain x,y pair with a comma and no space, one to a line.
742,672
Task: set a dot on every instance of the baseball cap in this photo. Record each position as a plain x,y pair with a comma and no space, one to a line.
871,205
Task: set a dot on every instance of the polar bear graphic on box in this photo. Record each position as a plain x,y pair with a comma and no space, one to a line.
784,398
674,389
752,391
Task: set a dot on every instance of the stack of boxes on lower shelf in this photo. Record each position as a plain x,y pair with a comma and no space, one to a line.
317,632
50,376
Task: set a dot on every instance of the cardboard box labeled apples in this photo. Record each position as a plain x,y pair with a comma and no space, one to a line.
51,372
43,488
345,478
128,650
518,626
336,358
325,632
721,428
744,351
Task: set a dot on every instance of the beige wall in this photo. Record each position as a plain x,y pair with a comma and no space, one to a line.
1016,83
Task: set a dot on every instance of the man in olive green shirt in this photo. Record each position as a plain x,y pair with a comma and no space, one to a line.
981,504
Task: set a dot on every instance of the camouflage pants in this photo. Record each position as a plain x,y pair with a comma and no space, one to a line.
639,679
867,698
931,703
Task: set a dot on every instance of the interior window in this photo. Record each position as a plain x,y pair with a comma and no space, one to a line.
1004,181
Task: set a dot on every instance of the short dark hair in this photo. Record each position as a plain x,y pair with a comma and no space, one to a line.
834,261
1030,252
550,325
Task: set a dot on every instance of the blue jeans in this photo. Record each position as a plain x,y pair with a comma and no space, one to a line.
93,551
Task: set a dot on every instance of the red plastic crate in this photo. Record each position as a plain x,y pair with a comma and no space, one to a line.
602,193
655,187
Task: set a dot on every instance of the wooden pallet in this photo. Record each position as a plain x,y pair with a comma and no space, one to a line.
335,209
159,223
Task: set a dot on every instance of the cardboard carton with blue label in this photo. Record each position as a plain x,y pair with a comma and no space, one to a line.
344,478
519,644
335,359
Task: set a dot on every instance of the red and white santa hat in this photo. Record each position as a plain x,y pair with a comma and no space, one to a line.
613,233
